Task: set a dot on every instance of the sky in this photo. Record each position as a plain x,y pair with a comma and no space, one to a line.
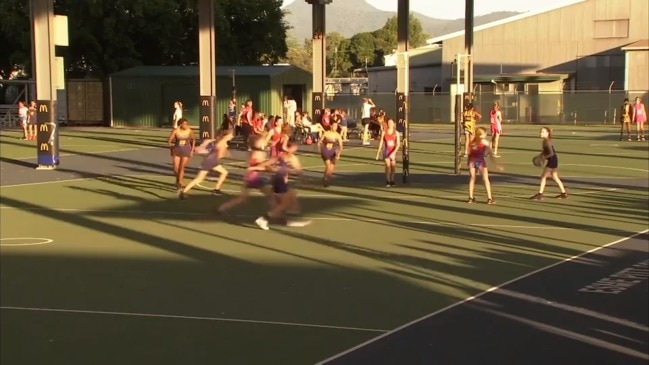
445,9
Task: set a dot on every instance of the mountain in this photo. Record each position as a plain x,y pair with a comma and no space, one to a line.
349,17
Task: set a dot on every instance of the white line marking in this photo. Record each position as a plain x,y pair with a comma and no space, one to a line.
198,318
93,152
605,167
37,241
604,145
471,298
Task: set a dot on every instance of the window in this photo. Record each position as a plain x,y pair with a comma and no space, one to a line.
618,28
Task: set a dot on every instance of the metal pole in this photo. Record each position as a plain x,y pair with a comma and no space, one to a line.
459,107
44,72
207,69
468,42
319,61
608,110
403,84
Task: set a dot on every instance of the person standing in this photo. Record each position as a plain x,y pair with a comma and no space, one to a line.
366,115
639,117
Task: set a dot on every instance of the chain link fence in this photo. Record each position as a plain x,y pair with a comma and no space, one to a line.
577,108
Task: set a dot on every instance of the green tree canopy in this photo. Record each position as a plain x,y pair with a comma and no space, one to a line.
109,35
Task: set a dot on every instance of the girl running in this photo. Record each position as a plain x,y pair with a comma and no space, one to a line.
389,144
253,178
639,117
285,195
496,119
478,149
181,142
329,152
551,166
216,150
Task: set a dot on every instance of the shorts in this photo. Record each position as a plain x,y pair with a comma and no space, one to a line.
640,121
209,163
344,123
625,120
365,121
386,155
183,151
469,128
553,162
255,183
329,154
478,164
496,129
280,185
23,122
32,120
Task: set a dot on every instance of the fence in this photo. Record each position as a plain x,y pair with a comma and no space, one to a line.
583,107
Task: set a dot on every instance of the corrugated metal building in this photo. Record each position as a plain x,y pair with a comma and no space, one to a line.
579,43
143,96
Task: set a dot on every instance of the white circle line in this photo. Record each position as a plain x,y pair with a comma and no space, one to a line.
37,241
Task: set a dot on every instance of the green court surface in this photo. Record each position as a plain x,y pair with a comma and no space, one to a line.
111,267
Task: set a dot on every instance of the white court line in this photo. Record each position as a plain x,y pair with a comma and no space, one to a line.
471,298
93,152
198,318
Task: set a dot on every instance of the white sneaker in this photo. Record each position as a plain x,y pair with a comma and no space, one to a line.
262,223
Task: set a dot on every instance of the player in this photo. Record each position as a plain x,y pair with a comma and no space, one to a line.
389,144
478,149
626,113
496,118
181,142
216,150
551,167
284,193
253,178
469,119
639,117
329,152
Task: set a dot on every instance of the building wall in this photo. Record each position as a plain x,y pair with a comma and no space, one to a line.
148,101
422,78
584,38
638,64
294,76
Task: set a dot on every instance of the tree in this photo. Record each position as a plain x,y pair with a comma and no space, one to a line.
300,55
110,35
386,37
362,49
15,38
338,57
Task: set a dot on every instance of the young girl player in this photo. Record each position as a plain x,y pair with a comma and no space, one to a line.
216,150
389,144
253,178
640,117
285,195
496,118
551,167
469,119
478,149
331,146
181,142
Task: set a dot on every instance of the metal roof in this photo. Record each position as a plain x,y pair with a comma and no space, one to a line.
508,78
179,71
504,21
637,46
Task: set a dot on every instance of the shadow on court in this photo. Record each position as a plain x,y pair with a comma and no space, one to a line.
576,312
